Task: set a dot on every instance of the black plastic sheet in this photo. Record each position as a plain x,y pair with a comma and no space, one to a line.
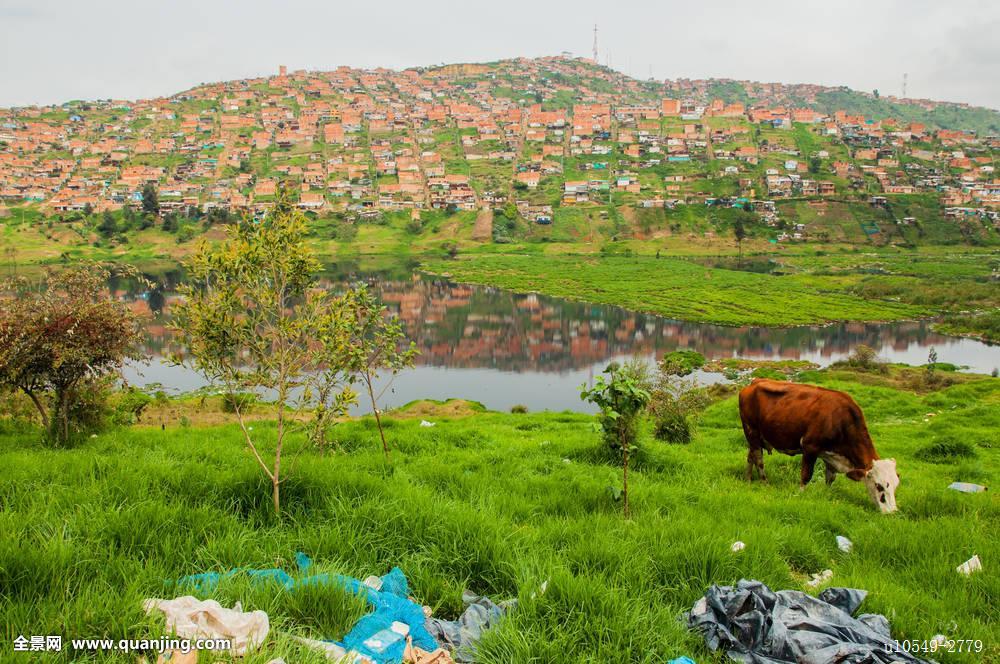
756,625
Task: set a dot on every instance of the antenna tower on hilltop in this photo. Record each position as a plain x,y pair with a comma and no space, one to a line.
595,43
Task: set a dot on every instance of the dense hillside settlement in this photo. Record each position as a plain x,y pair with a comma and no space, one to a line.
562,148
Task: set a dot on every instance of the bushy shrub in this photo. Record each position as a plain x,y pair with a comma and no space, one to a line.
87,411
519,409
131,403
681,362
672,426
866,358
675,406
241,401
676,401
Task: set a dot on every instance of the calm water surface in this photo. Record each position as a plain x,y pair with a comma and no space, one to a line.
502,348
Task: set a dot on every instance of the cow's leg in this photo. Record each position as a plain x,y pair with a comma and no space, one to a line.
760,465
808,463
755,452
831,473
755,459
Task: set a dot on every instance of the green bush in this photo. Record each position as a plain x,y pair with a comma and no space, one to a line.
519,409
239,400
87,410
131,403
866,358
681,362
672,426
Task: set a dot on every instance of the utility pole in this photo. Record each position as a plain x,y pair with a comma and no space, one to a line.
595,44
904,85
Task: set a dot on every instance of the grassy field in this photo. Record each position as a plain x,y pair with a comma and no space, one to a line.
806,288
498,504
681,289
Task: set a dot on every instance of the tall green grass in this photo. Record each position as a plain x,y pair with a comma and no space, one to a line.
498,504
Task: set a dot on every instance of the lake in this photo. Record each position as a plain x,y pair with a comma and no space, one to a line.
501,348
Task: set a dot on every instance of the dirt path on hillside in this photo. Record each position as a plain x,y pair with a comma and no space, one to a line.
483,230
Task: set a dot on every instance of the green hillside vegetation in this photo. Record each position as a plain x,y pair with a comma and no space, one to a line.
984,121
803,289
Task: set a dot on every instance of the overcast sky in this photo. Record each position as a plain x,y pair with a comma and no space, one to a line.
55,50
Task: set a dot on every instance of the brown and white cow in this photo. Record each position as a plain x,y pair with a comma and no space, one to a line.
818,424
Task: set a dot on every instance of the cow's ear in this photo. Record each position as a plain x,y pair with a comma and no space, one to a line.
857,474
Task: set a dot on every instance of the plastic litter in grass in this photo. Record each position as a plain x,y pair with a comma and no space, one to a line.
973,564
425,423
382,641
820,578
396,626
967,487
192,618
755,624
737,546
844,544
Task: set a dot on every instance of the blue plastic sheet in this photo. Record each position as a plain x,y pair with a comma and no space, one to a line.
390,604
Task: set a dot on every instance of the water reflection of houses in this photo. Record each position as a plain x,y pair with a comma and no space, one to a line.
477,327
461,326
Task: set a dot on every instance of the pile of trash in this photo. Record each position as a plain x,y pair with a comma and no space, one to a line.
756,625
397,630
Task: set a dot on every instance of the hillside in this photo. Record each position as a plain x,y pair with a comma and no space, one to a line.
529,150
829,100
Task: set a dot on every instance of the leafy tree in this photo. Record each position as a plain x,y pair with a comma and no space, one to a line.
62,336
376,345
170,223
250,320
150,199
129,217
740,233
815,165
88,209
621,398
107,227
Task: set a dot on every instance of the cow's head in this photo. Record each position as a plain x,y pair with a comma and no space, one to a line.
882,481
